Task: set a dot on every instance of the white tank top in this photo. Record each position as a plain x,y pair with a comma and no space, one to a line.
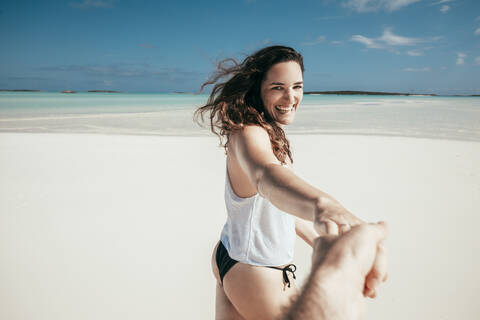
257,232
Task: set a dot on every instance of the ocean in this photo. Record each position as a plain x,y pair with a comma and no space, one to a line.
437,117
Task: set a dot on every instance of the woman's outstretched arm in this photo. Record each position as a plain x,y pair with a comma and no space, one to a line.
305,230
252,149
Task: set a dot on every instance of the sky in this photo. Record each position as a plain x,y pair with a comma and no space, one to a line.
417,46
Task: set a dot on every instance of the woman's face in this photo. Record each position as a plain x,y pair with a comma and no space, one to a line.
282,90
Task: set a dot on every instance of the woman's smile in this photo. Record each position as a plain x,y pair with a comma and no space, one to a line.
285,110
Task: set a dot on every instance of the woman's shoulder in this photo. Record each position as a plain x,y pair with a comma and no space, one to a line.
250,134
250,130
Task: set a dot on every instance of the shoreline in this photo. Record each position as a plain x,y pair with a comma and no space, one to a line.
419,117
310,92
368,93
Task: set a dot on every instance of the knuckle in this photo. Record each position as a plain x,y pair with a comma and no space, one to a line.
377,273
382,249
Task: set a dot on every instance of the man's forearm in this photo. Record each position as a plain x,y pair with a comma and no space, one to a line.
314,301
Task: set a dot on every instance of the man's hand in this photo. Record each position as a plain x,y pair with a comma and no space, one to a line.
358,254
345,269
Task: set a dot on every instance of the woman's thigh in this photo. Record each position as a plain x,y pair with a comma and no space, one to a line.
224,309
258,292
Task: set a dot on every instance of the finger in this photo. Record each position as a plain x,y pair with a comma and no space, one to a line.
379,269
320,227
326,227
369,293
344,228
378,231
357,221
372,281
383,263
353,220
332,227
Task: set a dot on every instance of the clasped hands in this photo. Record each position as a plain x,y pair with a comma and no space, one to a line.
352,248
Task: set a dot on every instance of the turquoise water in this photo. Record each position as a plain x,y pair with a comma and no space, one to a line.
171,114
41,103
36,103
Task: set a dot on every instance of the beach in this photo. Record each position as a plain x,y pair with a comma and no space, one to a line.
112,193
112,226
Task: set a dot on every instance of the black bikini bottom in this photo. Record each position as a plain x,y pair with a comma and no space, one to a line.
224,263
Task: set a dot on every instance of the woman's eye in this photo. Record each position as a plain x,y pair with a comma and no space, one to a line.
298,87
277,88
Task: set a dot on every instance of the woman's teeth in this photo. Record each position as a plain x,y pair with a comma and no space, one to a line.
282,109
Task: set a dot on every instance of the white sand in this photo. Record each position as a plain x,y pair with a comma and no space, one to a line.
122,227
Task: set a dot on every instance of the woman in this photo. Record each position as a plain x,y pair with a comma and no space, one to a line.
267,204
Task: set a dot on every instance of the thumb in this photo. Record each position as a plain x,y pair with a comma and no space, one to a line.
378,231
366,239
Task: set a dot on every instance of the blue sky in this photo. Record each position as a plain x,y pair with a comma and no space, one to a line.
422,46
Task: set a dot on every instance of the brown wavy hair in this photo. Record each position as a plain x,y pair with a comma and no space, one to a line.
236,102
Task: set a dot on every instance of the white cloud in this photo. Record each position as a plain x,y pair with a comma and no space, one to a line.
93,4
444,9
477,61
376,5
317,40
337,42
477,32
415,53
386,41
442,1
461,58
395,40
124,70
417,69
437,38
369,42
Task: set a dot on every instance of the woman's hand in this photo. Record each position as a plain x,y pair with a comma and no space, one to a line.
331,218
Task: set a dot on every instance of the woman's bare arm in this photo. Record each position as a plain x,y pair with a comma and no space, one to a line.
252,149
305,230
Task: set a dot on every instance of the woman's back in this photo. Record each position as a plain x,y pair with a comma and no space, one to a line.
251,139
256,232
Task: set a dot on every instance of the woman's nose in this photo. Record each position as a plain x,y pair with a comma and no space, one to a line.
290,96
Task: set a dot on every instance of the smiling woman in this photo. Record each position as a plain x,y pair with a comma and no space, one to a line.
267,204
280,96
